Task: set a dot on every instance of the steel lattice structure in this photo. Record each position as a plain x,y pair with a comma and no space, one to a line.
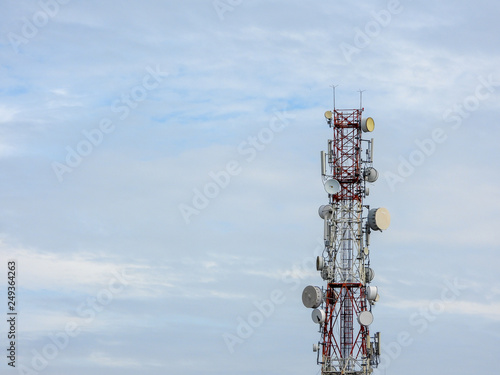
343,308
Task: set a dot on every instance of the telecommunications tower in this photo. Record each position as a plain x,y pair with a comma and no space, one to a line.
343,309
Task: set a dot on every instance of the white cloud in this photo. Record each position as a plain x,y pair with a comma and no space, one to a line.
101,358
7,114
51,271
490,311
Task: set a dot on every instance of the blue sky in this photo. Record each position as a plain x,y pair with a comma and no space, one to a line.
160,180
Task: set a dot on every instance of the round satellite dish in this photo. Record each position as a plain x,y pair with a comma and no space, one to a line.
328,115
379,218
371,293
320,263
365,318
371,174
315,347
325,211
377,298
312,296
332,186
318,316
367,124
369,274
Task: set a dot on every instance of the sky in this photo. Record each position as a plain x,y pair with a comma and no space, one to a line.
160,180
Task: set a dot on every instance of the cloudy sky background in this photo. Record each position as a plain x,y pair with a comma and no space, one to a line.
104,246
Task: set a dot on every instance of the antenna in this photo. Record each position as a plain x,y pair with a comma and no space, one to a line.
361,99
371,150
323,163
333,88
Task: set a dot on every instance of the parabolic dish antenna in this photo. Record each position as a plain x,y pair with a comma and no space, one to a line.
365,318
325,211
328,115
370,274
379,218
312,296
371,292
371,174
320,263
367,124
332,186
319,316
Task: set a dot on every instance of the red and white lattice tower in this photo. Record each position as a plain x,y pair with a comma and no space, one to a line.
343,308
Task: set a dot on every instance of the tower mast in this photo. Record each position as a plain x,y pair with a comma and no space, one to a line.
343,309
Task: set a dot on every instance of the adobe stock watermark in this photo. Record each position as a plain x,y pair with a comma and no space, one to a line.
221,7
424,149
246,327
420,322
31,25
87,310
221,179
372,29
471,103
264,309
93,138
427,147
